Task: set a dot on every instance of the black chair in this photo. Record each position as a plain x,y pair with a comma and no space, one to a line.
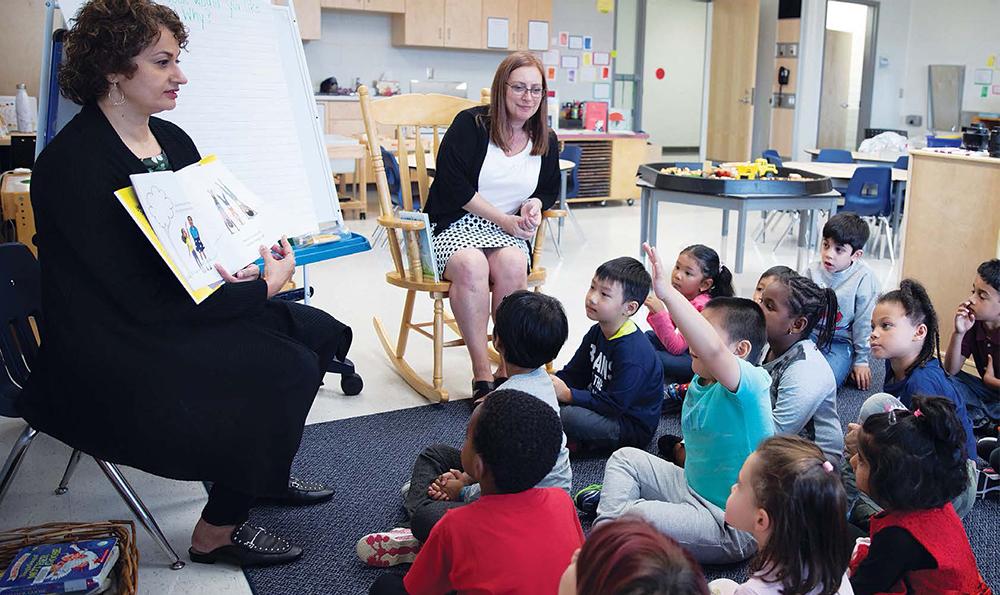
572,153
20,315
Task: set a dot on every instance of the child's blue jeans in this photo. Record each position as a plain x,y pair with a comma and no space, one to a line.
676,368
840,357
981,401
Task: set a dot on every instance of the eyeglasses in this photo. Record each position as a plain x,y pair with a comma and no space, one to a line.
521,89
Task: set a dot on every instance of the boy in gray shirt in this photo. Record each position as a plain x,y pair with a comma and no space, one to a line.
841,269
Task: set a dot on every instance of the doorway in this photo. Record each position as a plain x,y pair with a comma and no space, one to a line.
848,70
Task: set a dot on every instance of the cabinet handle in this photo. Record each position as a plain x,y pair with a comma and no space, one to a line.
439,33
449,33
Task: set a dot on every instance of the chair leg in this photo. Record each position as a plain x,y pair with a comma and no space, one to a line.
74,460
438,342
784,234
14,459
140,511
888,235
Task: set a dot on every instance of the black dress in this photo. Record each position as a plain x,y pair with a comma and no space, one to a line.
130,369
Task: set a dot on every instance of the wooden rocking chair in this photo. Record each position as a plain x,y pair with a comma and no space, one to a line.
411,115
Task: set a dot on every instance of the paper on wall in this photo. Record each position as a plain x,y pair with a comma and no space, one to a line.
575,42
983,76
550,58
588,58
588,42
570,75
602,58
588,74
570,62
550,73
564,38
538,35
602,91
497,33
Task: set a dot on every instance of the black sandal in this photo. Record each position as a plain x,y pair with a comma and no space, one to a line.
480,388
252,546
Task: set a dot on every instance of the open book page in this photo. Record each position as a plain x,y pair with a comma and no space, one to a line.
200,215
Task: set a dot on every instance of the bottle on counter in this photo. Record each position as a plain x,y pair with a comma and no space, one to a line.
22,108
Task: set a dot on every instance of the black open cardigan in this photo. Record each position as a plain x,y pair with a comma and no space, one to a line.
130,369
460,159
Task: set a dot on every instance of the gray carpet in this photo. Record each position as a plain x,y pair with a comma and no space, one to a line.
368,458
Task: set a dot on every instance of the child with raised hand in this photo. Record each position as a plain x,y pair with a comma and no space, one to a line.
913,465
629,557
905,334
725,415
840,268
803,389
767,277
516,538
977,334
790,497
611,390
699,276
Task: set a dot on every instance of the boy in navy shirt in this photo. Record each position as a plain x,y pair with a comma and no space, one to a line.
611,390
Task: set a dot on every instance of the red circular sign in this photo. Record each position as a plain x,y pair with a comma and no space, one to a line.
660,73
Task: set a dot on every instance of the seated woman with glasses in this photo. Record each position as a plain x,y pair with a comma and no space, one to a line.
497,170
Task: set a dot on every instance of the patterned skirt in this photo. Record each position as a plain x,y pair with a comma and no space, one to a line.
472,231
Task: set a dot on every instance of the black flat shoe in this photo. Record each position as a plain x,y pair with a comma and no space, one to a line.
498,380
252,546
480,388
301,493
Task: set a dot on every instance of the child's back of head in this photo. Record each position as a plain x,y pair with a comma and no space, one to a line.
914,460
518,438
530,328
630,274
807,544
628,556
847,229
743,320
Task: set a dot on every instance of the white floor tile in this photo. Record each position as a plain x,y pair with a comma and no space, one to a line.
354,290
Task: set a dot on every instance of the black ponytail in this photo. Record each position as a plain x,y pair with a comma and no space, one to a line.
912,296
711,267
917,458
813,303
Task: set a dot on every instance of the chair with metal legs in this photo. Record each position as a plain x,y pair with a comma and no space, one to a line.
21,320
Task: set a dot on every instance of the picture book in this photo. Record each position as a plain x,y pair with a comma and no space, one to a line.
195,217
427,259
75,567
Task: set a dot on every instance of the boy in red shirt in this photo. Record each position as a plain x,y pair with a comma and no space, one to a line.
515,538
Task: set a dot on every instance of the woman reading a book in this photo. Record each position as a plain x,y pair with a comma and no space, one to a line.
130,369
497,170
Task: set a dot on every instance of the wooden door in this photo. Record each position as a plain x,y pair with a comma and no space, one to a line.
501,9
527,11
397,6
463,24
348,4
834,102
731,79
421,24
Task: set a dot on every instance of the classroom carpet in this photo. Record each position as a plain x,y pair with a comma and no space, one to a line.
368,458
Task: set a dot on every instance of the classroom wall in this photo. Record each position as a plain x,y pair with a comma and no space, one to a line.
21,44
675,42
347,35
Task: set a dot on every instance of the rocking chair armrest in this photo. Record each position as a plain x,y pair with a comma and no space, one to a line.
554,214
395,223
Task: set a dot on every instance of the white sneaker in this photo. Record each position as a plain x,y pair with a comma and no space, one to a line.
405,489
389,548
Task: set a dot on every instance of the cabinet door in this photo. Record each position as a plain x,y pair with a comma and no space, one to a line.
463,24
501,9
307,13
397,6
348,4
421,24
531,10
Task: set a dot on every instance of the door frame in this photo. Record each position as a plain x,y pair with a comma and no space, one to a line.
640,55
867,68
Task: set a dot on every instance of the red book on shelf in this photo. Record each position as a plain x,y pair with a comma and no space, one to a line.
595,116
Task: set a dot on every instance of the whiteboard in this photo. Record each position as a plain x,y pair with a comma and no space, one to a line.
249,100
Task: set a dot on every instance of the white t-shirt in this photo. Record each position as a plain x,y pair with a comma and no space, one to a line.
757,586
506,182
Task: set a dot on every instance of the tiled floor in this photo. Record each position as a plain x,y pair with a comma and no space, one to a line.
354,290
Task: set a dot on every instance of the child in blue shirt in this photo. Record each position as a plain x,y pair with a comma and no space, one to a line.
726,413
611,391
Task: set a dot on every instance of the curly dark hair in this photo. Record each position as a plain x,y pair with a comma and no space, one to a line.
919,461
530,328
814,303
518,437
913,298
107,36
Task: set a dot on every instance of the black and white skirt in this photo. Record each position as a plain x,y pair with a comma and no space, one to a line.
472,231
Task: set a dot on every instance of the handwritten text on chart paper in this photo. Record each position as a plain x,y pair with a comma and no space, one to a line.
200,13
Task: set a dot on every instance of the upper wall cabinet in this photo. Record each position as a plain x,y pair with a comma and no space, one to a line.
533,22
505,11
464,24
397,6
307,13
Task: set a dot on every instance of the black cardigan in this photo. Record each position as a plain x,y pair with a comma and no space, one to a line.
130,370
460,159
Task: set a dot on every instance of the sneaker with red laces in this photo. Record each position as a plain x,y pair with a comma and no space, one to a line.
388,548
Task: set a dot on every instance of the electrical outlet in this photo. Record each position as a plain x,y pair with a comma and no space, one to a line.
792,49
914,120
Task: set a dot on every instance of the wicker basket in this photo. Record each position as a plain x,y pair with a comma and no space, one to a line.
127,567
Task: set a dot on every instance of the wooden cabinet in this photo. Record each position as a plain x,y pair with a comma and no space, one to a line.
501,9
421,24
347,4
395,6
307,13
532,10
463,24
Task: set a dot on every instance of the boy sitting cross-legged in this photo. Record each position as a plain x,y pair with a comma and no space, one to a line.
612,388
529,331
516,538
726,413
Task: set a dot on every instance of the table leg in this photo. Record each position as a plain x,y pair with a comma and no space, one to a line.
305,284
897,213
654,216
805,225
741,235
724,243
644,200
563,175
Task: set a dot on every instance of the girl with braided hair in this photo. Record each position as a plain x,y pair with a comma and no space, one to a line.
803,387
912,463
